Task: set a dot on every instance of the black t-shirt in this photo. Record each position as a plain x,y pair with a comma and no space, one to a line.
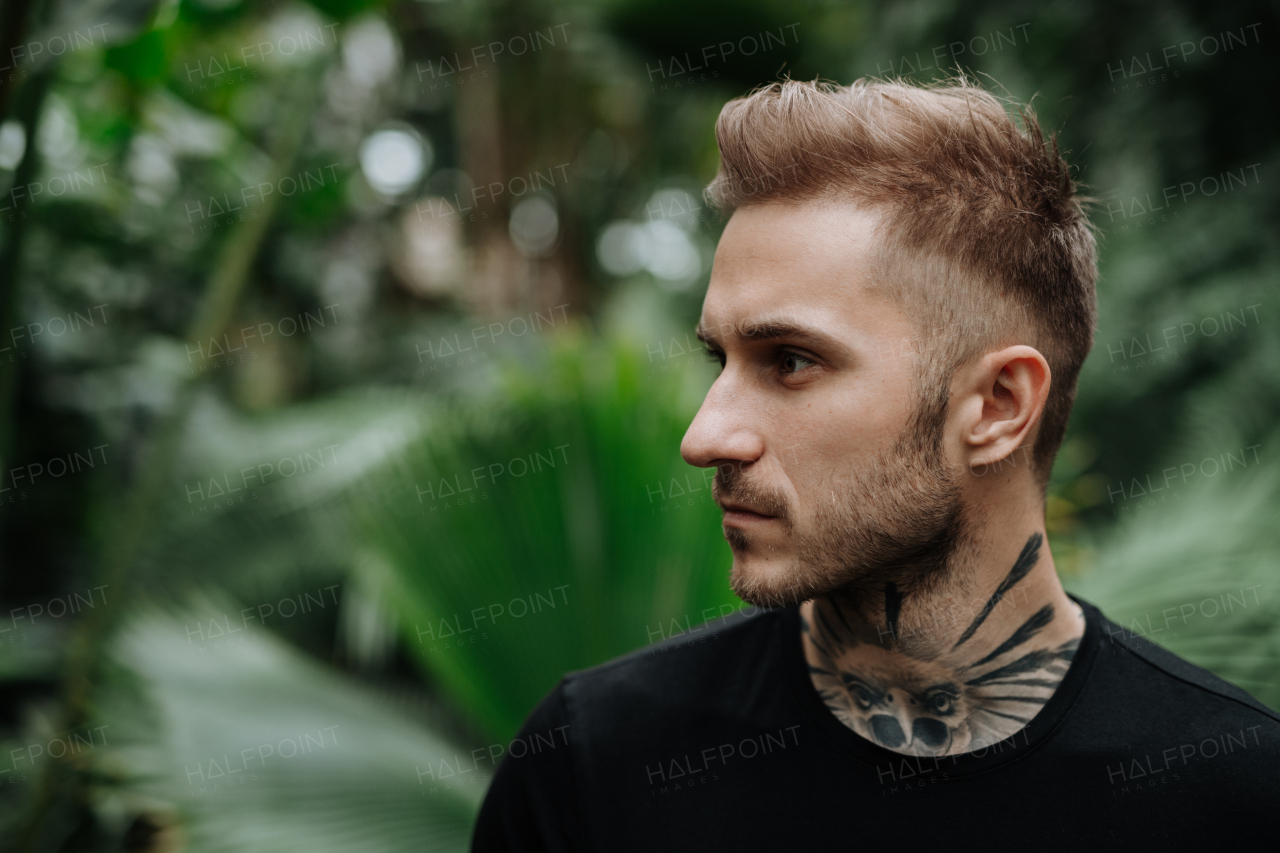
717,740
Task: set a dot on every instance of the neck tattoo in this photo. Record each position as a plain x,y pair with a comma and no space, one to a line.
923,699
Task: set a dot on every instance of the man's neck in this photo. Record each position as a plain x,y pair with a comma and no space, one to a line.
952,669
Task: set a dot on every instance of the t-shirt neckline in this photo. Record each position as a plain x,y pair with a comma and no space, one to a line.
1019,745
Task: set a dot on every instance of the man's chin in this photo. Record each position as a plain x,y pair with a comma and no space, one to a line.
769,584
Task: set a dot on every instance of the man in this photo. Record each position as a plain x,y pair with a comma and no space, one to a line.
900,303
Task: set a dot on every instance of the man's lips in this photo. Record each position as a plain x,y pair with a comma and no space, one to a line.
742,514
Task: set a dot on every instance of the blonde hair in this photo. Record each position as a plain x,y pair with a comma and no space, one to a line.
981,230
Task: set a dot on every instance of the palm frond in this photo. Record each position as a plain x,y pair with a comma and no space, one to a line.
248,745
1197,574
550,532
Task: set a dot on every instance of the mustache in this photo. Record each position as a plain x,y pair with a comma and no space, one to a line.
730,484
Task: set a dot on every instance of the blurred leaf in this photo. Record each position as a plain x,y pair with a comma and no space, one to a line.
1198,575
343,9
141,60
554,532
258,502
258,748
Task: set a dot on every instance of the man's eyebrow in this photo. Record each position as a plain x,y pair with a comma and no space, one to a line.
767,330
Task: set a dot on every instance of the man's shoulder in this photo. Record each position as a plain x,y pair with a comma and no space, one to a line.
1145,666
691,666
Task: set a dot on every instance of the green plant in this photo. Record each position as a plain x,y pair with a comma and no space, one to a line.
1196,573
244,744
567,494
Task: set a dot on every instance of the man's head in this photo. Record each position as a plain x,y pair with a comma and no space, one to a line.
904,271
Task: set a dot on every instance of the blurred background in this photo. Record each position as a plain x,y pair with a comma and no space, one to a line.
346,347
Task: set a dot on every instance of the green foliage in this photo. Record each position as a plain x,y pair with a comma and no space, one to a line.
243,744
142,61
606,521
609,538
344,9
1195,571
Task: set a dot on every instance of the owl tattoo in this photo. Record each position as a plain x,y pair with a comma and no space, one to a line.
948,705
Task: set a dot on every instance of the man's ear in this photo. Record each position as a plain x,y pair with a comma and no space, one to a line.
1000,403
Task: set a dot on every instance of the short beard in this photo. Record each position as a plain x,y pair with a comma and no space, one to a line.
902,522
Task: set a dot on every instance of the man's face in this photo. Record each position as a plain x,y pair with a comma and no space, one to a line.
813,422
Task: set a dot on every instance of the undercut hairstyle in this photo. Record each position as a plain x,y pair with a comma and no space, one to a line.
982,238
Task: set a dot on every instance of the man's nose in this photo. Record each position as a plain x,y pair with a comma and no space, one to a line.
723,430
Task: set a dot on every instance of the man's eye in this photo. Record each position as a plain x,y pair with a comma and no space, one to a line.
793,362
714,355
